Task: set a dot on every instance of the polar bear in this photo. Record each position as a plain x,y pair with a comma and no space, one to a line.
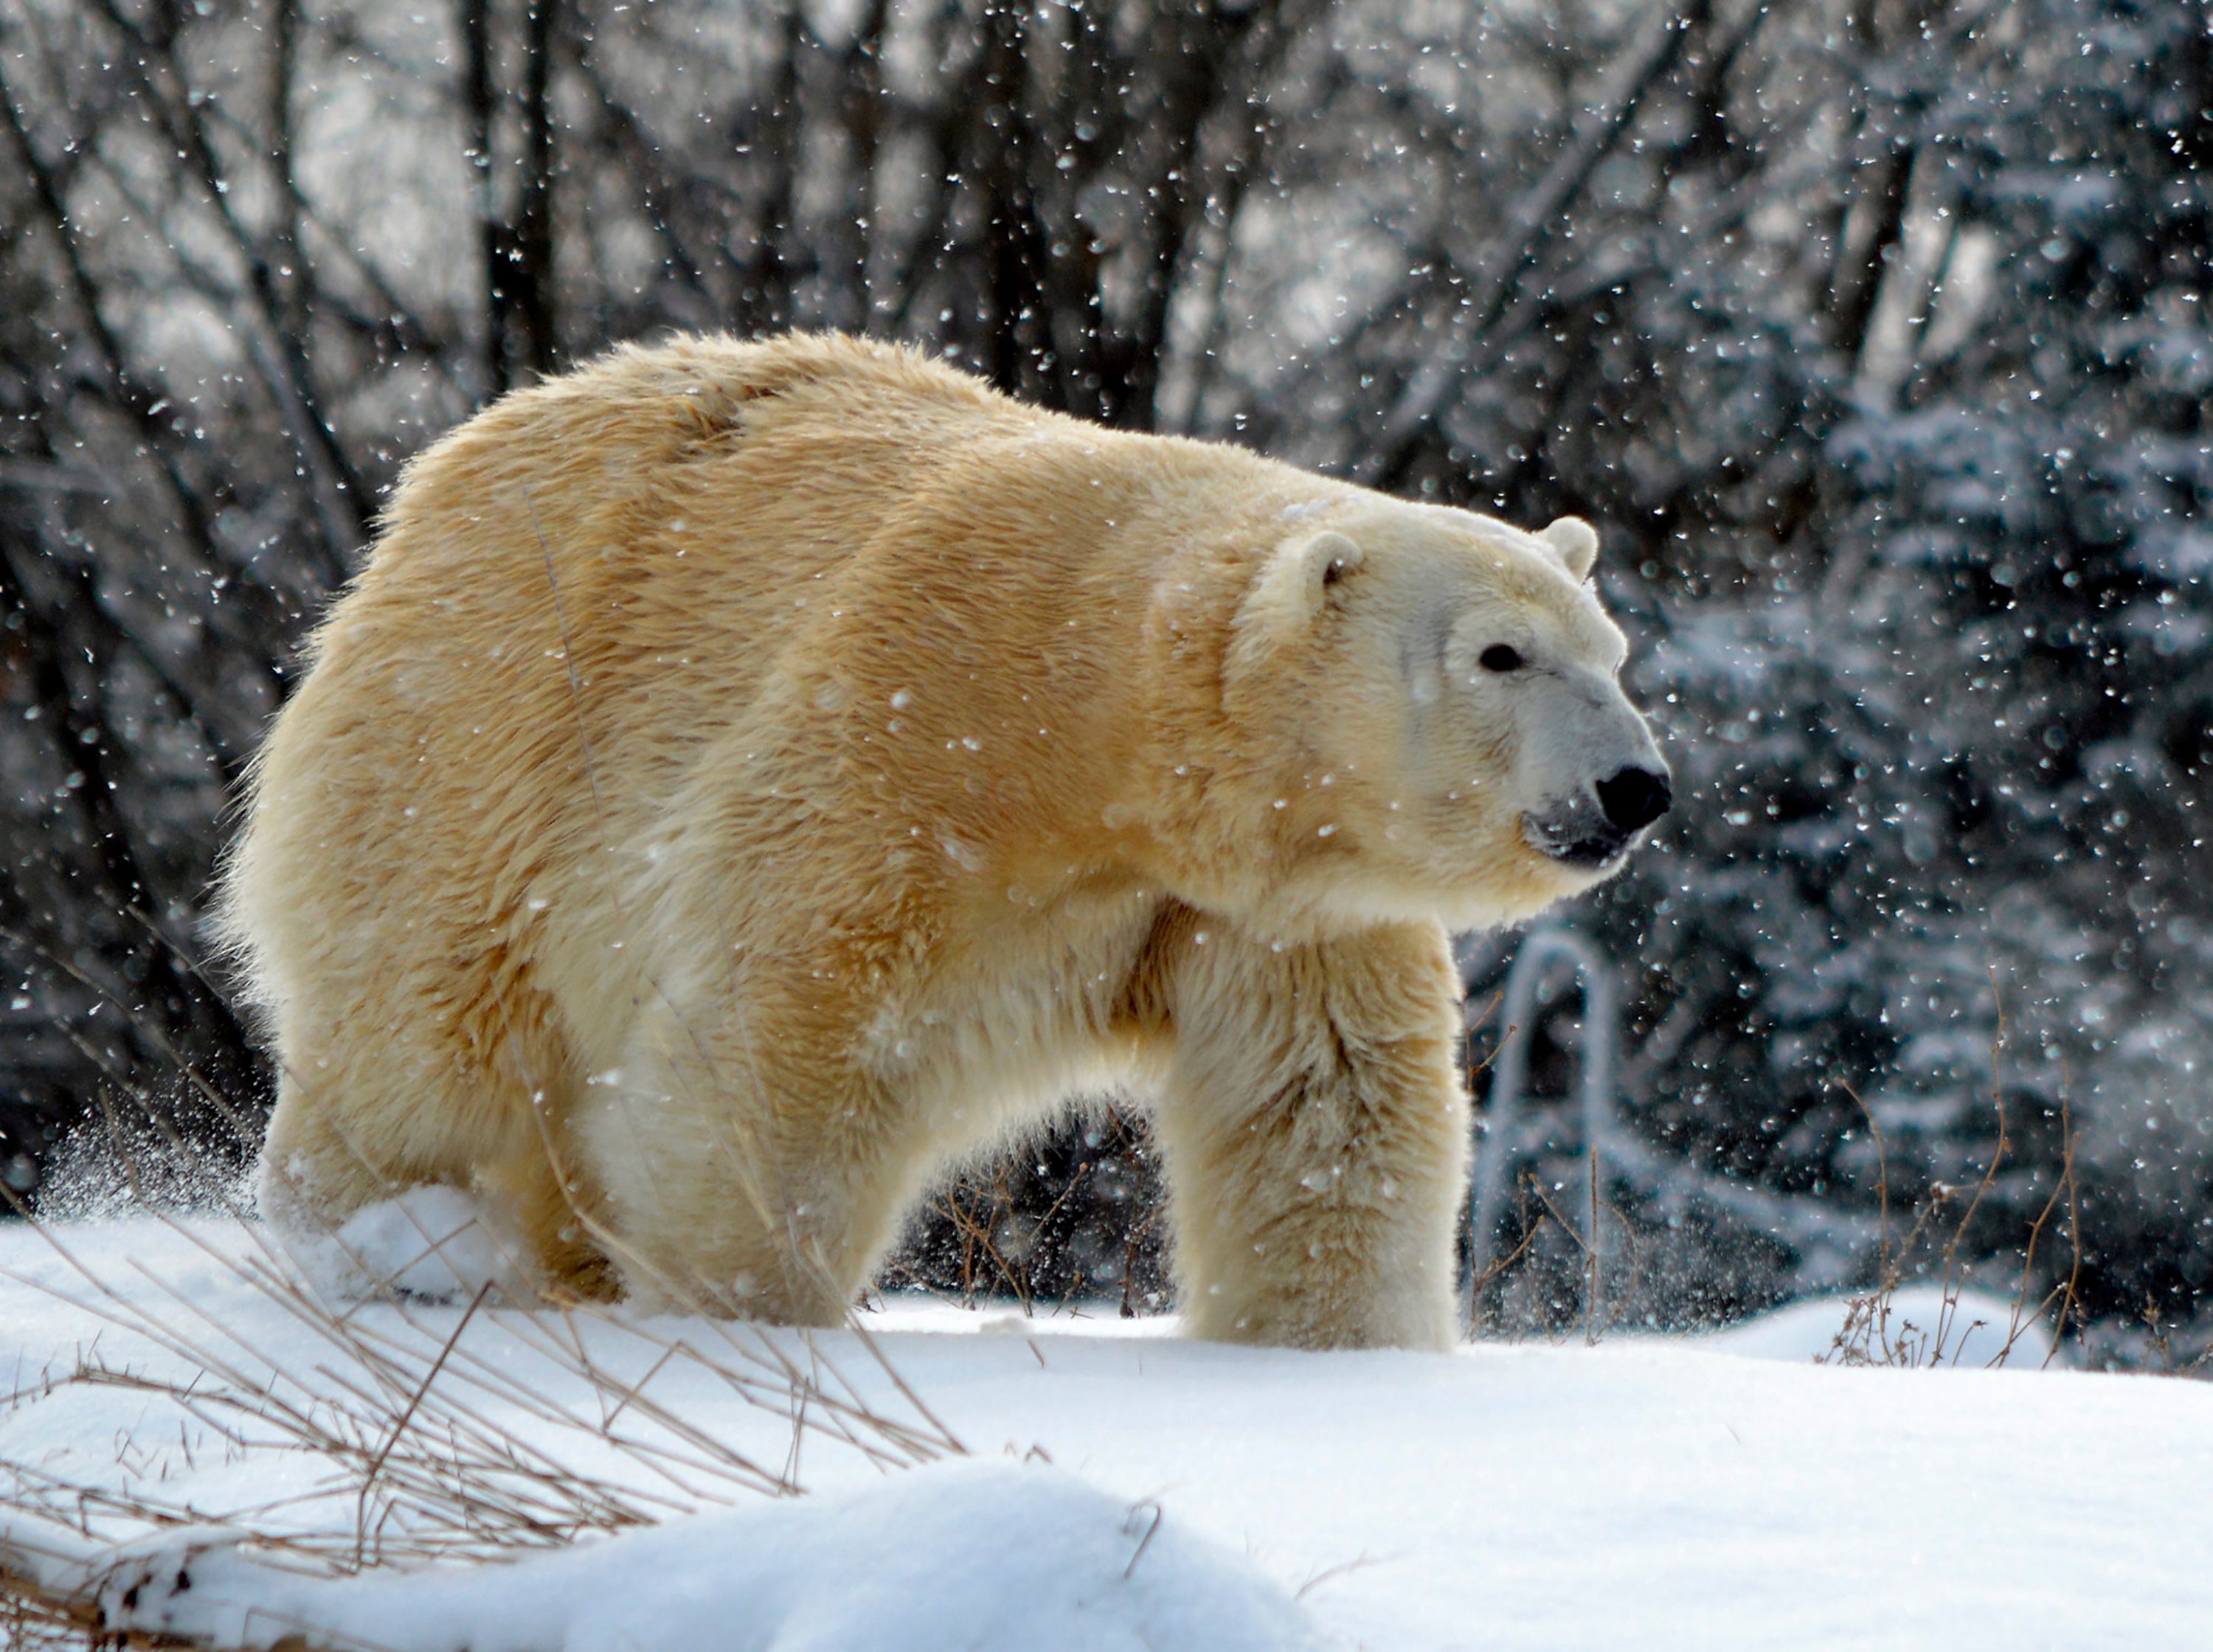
747,777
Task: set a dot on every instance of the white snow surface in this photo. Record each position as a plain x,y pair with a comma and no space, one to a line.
982,1556
1127,1488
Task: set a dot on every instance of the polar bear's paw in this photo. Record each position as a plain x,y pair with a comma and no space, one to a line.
435,1245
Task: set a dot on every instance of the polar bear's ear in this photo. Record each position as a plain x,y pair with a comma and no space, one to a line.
1576,542
1289,589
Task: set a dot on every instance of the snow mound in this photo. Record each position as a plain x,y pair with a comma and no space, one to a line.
966,1558
1920,1326
1661,1493
427,1244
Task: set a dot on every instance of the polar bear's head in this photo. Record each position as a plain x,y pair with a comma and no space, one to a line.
1442,690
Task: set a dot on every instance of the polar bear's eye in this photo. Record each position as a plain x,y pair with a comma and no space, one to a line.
1499,657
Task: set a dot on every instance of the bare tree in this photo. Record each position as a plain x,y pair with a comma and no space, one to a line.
1763,286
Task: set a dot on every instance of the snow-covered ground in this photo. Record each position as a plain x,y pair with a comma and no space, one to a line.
1128,1488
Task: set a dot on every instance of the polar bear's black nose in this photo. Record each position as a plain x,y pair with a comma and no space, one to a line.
1634,797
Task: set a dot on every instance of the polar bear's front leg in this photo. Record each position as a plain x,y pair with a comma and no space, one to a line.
1315,1133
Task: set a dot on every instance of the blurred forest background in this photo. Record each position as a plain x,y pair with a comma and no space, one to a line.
1872,333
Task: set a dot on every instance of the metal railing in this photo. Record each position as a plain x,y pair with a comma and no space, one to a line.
1829,1241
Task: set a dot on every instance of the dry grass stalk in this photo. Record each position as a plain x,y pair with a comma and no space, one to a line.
1868,1337
479,1437
1595,1326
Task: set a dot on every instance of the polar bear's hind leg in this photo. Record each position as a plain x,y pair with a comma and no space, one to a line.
370,1105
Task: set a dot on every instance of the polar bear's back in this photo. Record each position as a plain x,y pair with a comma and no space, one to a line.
703,477
571,592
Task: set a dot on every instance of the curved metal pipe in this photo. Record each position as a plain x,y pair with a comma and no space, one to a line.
1500,1142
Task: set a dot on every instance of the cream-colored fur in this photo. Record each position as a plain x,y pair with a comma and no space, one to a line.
749,776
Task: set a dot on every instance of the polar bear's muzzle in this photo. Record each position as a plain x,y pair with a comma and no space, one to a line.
1596,826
